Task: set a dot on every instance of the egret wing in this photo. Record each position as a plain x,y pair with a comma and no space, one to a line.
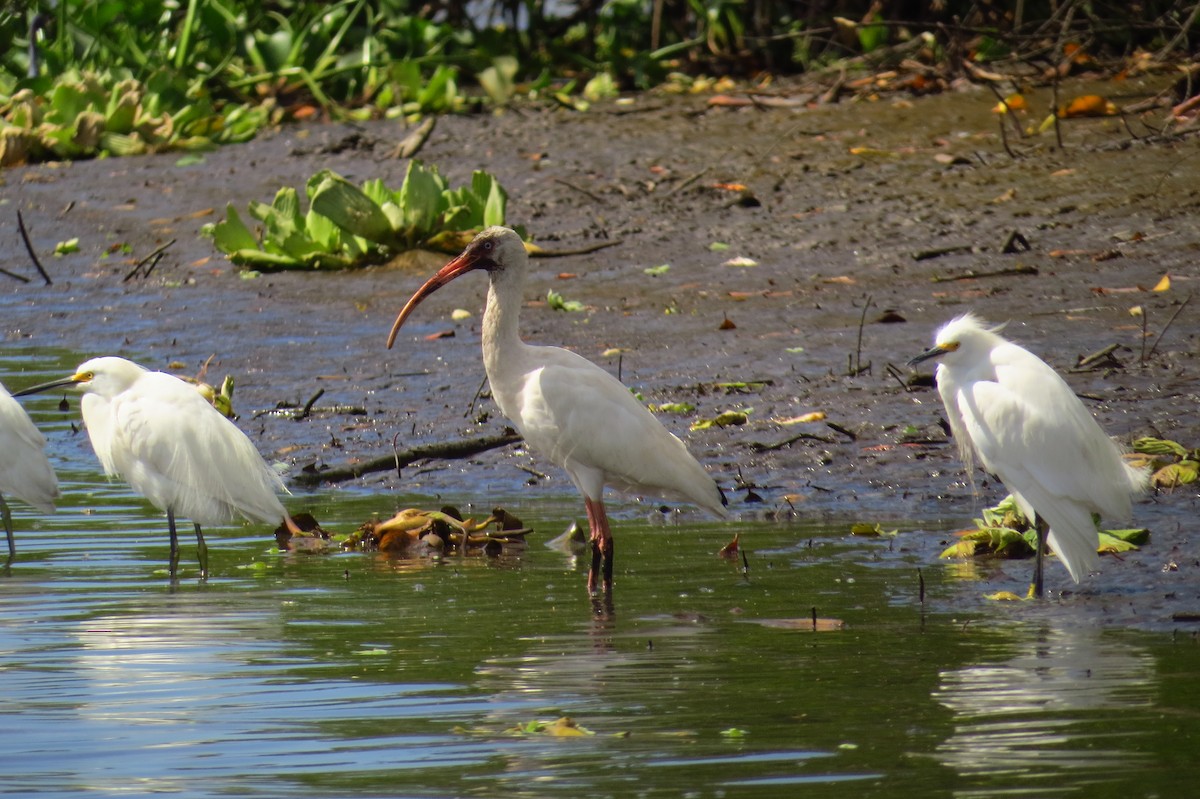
182,454
24,470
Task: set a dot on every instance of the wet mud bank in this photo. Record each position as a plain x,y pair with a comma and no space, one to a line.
863,224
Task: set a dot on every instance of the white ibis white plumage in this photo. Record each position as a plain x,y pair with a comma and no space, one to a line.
158,434
568,409
1028,428
25,472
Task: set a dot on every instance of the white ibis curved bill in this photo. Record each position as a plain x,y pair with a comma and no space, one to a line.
1027,427
25,472
568,409
158,434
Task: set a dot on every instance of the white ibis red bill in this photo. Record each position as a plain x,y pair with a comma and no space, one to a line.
568,409
158,434
1020,418
25,472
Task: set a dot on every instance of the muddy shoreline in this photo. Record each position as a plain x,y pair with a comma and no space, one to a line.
839,202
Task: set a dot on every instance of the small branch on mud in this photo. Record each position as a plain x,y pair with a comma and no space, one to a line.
533,471
445,450
758,446
1088,362
411,144
844,431
307,409
856,367
13,275
593,197
475,398
153,258
899,378
1166,327
938,252
972,275
29,248
689,181
1016,242
584,250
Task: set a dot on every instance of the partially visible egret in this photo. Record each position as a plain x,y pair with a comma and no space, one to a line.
1028,428
25,472
158,434
568,409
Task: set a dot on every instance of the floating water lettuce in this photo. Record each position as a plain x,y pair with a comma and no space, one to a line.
346,225
1004,531
88,114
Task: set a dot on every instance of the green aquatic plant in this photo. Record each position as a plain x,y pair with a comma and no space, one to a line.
1004,531
347,226
90,114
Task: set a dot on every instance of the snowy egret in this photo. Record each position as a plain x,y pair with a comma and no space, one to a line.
158,434
1028,428
568,409
25,472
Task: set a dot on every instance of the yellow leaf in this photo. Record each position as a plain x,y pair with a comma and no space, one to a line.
1014,102
1003,596
1164,284
961,549
815,416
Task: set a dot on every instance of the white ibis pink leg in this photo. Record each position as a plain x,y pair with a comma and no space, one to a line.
602,544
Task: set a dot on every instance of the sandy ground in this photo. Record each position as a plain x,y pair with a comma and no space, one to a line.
840,205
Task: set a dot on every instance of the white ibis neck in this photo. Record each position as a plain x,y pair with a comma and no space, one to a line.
501,326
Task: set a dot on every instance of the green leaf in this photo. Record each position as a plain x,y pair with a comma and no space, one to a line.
557,303
348,207
66,247
420,199
231,234
655,271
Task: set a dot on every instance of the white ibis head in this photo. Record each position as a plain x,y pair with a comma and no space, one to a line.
494,250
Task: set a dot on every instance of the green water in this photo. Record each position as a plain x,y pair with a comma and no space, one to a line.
303,675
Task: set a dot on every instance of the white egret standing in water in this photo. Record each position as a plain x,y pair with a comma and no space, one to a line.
158,434
25,472
1027,427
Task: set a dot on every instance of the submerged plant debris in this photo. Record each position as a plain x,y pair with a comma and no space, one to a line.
1005,532
413,533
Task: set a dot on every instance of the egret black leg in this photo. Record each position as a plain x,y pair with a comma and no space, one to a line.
174,543
201,552
1043,530
7,516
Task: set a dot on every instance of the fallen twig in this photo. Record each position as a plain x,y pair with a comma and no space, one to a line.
689,181
445,450
411,144
1167,326
938,252
971,275
593,197
758,446
29,248
13,275
152,259
1088,360
538,252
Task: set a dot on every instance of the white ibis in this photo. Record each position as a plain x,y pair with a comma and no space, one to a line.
1028,428
158,434
25,472
568,409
